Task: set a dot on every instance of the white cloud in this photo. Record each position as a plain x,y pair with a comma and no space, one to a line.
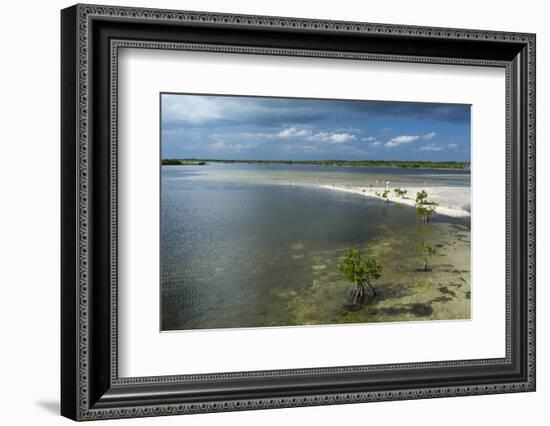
399,140
340,137
431,147
309,141
293,132
429,136
369,139
309,135
452,145
375,143
191,109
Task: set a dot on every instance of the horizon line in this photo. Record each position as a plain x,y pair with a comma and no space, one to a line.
317,160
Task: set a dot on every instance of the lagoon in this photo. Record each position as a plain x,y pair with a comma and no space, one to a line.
255,245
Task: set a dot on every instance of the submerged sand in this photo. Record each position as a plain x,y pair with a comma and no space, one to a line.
405,292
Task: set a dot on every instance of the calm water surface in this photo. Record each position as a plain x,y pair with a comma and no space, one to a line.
241,244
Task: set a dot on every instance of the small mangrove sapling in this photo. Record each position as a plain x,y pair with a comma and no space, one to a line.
421,197
424,251
356,269
400,192
424,208
385,195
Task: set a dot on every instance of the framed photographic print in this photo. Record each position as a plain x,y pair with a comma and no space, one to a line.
263,212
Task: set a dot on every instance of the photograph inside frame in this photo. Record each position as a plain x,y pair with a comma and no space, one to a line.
293,212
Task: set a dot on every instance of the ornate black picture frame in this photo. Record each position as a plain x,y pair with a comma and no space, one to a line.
91,387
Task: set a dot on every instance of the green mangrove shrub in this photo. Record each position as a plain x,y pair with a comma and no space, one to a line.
400,192
425,251
361,272
424,207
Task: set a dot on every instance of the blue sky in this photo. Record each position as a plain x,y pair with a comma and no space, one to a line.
255,128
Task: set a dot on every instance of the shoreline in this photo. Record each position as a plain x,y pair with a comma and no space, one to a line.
453,201
390,164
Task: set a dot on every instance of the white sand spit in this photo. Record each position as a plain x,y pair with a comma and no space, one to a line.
453,201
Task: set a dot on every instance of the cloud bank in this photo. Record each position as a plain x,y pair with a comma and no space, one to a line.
234,127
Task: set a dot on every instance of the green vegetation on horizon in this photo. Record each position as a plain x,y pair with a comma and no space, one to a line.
175,162
337,163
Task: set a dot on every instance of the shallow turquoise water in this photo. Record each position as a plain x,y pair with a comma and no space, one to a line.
237,241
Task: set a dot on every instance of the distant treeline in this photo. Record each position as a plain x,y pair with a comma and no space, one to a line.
338,163
176,162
